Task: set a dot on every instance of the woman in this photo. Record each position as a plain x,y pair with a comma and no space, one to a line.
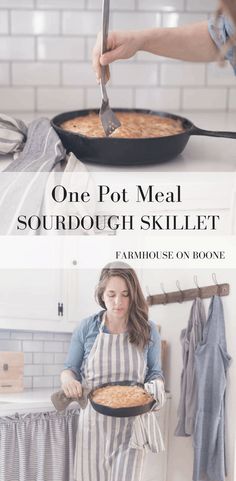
205,41
117,344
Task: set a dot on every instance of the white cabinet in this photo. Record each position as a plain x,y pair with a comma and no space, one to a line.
47,299
79,293
31,299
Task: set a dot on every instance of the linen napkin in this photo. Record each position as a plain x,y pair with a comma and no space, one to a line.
61,401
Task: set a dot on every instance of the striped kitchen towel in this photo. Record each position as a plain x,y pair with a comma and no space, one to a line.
13,133
22,183
156,388
146,434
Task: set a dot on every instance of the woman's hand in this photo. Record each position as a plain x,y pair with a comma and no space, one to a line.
72,388
120,45
70,385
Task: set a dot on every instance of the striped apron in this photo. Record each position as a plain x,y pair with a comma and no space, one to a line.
103,449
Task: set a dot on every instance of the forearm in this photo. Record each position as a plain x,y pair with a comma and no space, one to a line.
191,43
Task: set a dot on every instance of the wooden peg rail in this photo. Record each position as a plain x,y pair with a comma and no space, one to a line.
189,294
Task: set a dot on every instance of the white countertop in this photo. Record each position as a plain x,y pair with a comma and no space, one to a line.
37,400
201,154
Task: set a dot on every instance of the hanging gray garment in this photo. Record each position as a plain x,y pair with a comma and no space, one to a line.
190,337
212,362
23,181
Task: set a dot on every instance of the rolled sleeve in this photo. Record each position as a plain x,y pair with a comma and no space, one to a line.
221,31
75,356
154,356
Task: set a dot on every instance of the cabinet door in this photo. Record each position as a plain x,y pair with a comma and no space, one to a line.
31,298
79,294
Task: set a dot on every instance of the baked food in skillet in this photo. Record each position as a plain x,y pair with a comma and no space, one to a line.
118,396
133,125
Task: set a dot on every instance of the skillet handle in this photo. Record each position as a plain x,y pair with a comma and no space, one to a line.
211,133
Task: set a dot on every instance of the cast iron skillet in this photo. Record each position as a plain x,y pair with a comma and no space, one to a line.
142,151
120,412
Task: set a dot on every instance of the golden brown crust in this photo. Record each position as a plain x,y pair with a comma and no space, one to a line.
133,125
121,396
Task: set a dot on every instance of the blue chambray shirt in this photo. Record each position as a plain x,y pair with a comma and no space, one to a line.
220,34
83,339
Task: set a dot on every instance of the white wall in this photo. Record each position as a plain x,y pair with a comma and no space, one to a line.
173,318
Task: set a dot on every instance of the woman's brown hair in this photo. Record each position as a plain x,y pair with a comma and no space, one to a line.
138,325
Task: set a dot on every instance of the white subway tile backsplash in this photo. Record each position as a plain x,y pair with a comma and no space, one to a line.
232,99
5,334
158,98
89,48
43,357
28,358
35,22
61,336
8,345
78,74
135,21
35,73
165,5
33,370
120,5
4,22
41,369
60,99
43,336
60,48
53,370
182,74
178,19
46,48
53,346
28,382
61,4
220,75
205,99
202,5
21,335
17,48
29,346
66,346
16,99
81,23
30,116
127,74
56,382
119,97
16,4
42,381
59,358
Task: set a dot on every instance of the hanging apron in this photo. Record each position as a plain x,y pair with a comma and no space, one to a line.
190,337
104,447
212,362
